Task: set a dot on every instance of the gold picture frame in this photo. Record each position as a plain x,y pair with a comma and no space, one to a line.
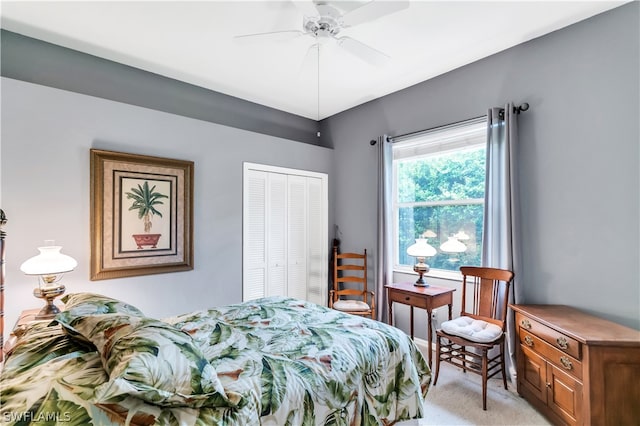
141,215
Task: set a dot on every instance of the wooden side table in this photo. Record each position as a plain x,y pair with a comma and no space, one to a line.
427,298
25,318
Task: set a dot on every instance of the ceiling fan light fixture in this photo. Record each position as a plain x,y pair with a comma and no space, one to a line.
322,26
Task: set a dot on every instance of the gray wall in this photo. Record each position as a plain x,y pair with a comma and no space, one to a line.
28,59
46,137
578,158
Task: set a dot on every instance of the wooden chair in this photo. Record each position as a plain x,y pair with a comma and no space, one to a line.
350,280
466,341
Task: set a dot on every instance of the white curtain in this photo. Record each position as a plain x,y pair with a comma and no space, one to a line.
384,265
500,245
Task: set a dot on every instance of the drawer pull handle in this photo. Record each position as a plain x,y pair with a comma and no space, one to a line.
566,363
528,340
407,298
525,324
562,342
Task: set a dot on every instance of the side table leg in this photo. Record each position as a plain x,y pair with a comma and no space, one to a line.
411,320
429,336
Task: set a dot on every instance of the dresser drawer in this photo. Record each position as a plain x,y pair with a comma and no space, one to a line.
408,299
554,338
560,359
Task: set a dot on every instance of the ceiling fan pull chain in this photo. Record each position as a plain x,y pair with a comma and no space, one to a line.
318,97
318,86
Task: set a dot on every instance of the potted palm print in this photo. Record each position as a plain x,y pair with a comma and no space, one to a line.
145,201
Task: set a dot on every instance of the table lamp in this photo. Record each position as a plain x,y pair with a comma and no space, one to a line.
49,266
420,250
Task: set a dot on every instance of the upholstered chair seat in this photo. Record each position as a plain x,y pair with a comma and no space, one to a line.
472,329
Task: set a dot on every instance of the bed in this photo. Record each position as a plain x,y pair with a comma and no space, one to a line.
272,361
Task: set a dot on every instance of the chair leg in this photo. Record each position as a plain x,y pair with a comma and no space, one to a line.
464,359
485,356
435,377
504,372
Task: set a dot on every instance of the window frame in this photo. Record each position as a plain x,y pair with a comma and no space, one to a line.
396,206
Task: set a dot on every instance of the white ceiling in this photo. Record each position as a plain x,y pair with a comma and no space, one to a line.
194,42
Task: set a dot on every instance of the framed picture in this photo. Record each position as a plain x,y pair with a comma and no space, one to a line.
141,215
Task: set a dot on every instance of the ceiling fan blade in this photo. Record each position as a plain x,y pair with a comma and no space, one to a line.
373,10
307,7
272,35
362,51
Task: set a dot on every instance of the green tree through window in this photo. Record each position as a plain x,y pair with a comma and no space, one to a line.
441,193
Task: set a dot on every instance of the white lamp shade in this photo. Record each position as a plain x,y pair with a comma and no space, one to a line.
429,234
49,262
461,236
453,245
421,249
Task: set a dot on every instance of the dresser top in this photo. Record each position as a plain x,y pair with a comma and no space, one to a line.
580,325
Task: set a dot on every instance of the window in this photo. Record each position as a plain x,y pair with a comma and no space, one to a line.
438,184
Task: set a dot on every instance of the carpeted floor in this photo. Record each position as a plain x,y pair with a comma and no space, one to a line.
457,400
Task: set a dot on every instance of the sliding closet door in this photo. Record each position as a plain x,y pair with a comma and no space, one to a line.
317,242
254,236
276,220
284,233
297,237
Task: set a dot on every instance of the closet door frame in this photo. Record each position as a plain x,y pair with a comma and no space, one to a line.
317,271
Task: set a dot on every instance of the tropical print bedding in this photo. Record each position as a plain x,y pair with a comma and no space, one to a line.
272,361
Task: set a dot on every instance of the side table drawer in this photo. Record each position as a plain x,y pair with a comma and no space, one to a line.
564,362
408,299
554,338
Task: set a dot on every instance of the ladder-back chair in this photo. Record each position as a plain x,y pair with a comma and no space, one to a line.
466,341
350,293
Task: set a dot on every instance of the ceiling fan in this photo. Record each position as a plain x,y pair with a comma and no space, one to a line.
324,21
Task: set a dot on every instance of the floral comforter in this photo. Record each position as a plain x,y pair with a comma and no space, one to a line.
279,361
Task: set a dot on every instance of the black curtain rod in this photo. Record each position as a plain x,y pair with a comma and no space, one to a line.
516,110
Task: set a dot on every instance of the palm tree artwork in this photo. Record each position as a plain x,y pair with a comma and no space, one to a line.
145,200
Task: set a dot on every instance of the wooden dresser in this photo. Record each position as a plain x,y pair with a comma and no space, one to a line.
578,369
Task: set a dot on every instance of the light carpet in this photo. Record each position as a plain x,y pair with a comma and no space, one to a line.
457,400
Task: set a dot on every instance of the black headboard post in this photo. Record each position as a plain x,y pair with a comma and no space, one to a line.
3,220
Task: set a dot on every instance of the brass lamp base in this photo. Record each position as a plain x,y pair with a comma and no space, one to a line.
49,294
421,283
421,269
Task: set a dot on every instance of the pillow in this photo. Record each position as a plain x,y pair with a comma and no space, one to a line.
149,359
472,329
91,304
